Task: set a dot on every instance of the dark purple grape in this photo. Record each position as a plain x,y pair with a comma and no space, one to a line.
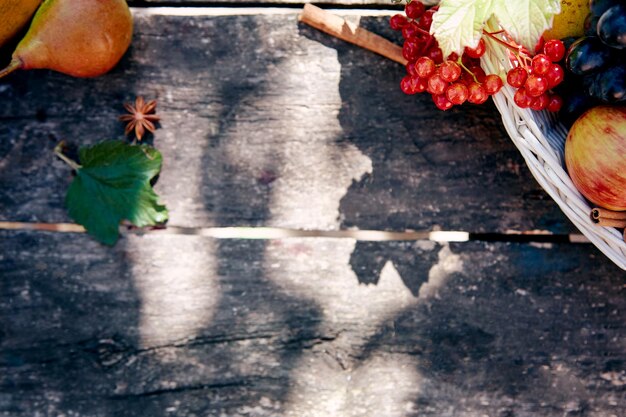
591,25
569,41
597,7
587,55
575,103
612,27
609,85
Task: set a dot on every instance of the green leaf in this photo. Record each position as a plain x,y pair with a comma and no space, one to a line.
526,20
459,23
113,184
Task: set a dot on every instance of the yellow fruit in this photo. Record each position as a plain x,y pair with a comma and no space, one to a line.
571,20
82,38
15,15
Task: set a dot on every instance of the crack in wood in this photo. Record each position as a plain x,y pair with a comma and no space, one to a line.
188,388
348,6
270,233
202,341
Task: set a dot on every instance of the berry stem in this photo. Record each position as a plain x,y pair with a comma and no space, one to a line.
518,51
497,32
460,62
493,36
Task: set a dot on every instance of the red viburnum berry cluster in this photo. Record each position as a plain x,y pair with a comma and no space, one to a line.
534,78
453,80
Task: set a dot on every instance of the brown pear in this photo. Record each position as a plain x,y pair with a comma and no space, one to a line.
81,38
15,15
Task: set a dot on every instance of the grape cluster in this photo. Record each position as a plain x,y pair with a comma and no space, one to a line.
536,77
451,80
600,56
595,64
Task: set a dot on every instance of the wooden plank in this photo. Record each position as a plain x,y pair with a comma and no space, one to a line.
268,122
186,326
388,4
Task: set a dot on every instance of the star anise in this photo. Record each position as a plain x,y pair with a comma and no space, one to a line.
141,117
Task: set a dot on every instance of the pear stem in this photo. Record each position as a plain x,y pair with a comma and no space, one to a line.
15,64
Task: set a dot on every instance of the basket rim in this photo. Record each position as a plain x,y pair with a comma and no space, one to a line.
540,138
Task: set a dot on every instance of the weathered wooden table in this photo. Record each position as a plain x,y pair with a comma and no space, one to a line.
275,131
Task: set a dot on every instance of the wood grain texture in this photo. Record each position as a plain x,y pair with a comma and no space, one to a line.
186,326
269,122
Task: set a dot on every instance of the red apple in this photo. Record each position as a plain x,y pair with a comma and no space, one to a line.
595,156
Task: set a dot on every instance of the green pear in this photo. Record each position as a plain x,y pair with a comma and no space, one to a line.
81,38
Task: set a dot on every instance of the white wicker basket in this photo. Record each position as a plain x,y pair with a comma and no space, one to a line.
541,139
538,135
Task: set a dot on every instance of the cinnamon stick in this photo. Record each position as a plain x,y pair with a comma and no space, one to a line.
610,222
601,213
349,32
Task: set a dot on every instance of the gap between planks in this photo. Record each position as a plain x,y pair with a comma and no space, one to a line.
267,233
287,9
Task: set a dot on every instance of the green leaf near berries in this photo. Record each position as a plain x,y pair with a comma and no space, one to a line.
526,20
459,23
113,184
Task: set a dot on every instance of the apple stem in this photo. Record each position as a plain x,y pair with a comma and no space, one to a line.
15,64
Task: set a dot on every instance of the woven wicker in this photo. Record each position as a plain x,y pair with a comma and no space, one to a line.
540,139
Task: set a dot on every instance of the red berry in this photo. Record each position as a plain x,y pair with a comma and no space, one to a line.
493,84
410,31
450,71
410,50
435,54
425,67
554,50
479,73
466,78
405,85
426,19
516,77
442,102
411,85
478,51
555,103
398,21
540,64
469,61
423,37
457,93
410,68
536,85
453,57
414,9
522,99
436,84
477,94
554,75
540,103
422,84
